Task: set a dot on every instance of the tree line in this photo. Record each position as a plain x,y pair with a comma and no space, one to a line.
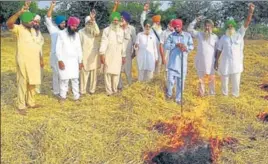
218,11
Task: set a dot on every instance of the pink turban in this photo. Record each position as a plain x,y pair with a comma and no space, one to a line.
176,23
73,21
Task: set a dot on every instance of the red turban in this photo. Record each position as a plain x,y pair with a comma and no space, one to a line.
73,21
177,23
156,18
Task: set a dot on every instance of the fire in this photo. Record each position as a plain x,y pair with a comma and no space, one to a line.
264,87
184,135
263,116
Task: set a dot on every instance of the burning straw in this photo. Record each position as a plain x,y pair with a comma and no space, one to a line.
184,143
263,116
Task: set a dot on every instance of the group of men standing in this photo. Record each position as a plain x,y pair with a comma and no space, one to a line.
76,55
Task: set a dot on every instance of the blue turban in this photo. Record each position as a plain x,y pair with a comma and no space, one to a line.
59,19
126,16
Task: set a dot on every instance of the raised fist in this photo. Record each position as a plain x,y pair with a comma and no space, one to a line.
26,6
93,14
198,19
116,2
53,3
251,7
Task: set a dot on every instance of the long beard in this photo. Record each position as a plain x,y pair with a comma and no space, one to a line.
89,30
207,35
115,27
157,27
71,32
230,32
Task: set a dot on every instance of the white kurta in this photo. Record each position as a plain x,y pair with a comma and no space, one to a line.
205,57
69,50
112,47
158,32
147,52
53,30
129,41
231,60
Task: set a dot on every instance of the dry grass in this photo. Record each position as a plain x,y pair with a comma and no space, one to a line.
114,130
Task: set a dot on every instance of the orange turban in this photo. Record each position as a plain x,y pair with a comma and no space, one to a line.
156,18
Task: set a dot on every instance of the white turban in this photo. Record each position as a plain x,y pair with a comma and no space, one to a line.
37,18
87,19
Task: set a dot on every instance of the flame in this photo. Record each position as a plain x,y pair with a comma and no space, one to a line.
264,87
180,133
263,116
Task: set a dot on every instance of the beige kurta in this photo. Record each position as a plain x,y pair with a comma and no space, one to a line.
27,57
90,47
39,39
129,41
112,47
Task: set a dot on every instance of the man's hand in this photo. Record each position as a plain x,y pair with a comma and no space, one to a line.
164,61
61,65
123,60
116,2
25,7
182,47
42,63
53,4
216,65
250,14
251,7
198,19
81,65
92,15
102,59
27,3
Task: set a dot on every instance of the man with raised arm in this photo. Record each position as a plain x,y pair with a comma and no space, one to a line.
146,52
27,58
90,46
205,57
112,53
230,48
129,41
157,31
53,29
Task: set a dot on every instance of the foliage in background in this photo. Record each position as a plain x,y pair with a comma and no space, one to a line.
8,8
186,10
81,9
